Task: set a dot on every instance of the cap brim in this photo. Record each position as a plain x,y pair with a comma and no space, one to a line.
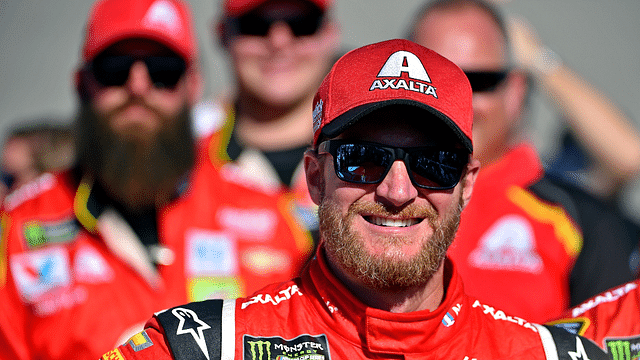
338,125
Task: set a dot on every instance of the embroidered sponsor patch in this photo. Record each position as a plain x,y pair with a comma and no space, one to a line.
303,347
627,348
39,233
40,271
114,354
251,224
90,267
140,341
449,318
508,245
215,287
211,253
575,326
265,261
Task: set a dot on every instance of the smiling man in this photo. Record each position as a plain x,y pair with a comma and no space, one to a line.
391,170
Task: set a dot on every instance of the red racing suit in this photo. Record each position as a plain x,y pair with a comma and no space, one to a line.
252,164
315,317
517,243
75,279
611,319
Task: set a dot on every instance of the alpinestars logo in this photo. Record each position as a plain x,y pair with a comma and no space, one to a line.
191,324
580,353
404,62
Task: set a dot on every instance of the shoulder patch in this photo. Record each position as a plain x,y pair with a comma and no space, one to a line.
576,326
200,330
140,341
562,345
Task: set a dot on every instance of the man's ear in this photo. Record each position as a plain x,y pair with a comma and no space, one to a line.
313,170
469,179
516,94
82,84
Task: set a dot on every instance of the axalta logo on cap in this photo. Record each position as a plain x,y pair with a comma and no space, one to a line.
396,64
162,15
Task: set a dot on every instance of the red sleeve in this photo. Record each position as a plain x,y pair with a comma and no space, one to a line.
14,338
148,344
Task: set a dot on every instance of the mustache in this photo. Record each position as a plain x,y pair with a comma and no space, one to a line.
133,100
411,210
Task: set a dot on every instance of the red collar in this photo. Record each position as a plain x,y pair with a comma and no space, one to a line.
381,331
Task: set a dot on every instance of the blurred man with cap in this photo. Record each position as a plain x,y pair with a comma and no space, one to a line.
143,221
391,170
525,243
279,51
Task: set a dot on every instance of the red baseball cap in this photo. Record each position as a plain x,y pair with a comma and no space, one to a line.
168,22
388,73
235,8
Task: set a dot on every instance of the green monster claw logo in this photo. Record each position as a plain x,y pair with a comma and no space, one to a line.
34,234
262,347
622,350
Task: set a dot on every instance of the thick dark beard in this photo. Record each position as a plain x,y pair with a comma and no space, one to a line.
390,273
137,173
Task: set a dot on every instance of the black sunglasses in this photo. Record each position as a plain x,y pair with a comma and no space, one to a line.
485,81
113,70
368,163
256,25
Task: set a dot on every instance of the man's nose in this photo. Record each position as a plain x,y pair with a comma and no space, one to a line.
280,34
139,80
396,188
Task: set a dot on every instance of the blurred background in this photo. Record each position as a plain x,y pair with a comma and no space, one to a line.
40,45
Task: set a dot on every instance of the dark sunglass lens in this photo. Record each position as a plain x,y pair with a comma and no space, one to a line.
305,25
483,81
112,70
360,163
437,168
253,25
165,71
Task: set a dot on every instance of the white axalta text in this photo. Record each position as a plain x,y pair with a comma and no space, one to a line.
285,294
500,315
395,84
603,298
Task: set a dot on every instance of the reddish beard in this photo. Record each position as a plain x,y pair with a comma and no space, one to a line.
393,271
137,172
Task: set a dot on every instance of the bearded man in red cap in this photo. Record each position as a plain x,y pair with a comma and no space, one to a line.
391,168
144,221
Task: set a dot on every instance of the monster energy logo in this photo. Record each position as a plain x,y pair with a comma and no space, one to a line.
302,347
259,349
623,349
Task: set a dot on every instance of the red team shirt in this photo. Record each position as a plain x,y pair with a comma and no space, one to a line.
74,286
514,248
